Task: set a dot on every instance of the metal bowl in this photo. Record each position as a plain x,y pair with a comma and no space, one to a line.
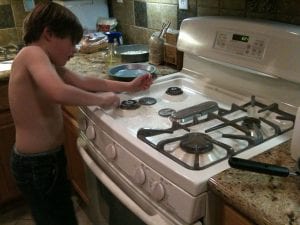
133,53
130,71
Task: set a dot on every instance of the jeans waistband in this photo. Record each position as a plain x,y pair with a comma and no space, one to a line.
54,154
49,152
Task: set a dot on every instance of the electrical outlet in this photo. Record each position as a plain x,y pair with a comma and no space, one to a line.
183,4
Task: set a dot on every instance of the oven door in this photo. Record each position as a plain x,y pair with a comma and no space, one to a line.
121,187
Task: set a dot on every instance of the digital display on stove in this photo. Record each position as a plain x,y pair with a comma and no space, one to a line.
239,37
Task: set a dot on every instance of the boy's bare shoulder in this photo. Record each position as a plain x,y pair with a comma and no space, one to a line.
29,53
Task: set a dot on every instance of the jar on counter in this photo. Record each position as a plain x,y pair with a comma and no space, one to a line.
112,57
156,49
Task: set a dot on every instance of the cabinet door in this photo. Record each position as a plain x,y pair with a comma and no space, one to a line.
8,189
232,217
75,163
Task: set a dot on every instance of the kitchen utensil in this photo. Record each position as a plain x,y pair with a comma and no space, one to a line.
259,167
133,53
127,72
162,29
165,29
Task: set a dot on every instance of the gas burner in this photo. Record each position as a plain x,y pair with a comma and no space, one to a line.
129,104
196,143
174,91
249,122
215,137
147,101
166,112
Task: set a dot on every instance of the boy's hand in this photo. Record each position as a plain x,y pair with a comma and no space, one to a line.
110,100
141,82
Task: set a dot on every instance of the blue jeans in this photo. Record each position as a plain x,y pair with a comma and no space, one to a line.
42,179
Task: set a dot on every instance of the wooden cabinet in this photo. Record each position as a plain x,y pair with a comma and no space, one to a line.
232,217
221,213
76,167
8,188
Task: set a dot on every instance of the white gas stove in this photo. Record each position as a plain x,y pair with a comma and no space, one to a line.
237,94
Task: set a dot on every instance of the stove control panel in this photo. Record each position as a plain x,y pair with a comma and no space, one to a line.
154,185
241,44
90,132
139,176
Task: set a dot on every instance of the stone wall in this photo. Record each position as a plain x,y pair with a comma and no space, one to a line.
138,19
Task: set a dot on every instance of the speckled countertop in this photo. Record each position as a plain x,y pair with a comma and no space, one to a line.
93,65
265,199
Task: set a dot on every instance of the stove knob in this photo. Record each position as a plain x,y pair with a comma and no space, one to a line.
139,176
90,132
83,123
157,191
110,151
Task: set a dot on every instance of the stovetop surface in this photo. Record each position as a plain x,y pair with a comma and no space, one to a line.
212,136
123,126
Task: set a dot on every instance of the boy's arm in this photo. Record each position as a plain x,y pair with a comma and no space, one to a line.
96,85
89,83
50,83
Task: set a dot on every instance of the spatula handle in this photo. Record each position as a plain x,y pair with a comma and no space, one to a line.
258,167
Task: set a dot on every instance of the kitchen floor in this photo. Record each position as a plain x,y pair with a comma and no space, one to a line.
19,214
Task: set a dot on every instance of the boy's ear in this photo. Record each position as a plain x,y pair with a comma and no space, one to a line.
47,34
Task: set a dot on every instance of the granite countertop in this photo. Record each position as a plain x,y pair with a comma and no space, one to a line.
265,199
93,65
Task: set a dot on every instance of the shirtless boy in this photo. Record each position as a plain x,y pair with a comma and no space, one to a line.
39,84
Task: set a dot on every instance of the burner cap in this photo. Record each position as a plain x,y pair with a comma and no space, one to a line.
166,112
129,104
196,143
174,91
250,121
147,101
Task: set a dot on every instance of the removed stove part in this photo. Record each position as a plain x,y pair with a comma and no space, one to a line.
174,91
166,112
129,104
194,111
147,101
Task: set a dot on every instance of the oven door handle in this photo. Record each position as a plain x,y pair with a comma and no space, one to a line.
127,201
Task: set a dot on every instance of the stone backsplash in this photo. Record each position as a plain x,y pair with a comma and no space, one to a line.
138,19
12,14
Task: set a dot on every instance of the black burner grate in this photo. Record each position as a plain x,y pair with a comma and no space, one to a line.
249,127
